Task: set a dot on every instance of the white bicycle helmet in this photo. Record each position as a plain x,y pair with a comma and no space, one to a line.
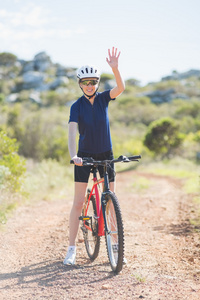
88,72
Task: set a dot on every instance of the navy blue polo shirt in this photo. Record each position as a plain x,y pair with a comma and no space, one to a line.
93,123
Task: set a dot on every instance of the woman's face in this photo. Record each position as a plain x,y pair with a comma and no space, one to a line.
89,85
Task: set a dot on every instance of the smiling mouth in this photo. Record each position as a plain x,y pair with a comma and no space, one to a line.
89,90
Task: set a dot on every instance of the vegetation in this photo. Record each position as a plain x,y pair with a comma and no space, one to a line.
12,174
163,137
11,164
7,59
37,132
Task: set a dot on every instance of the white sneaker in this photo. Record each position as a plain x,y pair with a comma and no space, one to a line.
125,261
70,258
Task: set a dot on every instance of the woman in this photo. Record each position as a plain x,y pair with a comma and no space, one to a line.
89,114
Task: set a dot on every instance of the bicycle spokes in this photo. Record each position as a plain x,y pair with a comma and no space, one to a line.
114,234
90,228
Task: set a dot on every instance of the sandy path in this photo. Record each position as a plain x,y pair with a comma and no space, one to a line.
162,249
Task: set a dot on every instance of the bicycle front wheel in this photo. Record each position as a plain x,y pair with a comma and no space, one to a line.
90,227
115,233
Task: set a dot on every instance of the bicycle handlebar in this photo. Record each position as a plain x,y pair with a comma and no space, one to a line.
90,161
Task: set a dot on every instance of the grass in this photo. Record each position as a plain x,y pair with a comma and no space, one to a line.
141,183
47,180
8,203
178,168
50,180
139,278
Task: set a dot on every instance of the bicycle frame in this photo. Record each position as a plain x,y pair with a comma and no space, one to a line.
103,216
99,204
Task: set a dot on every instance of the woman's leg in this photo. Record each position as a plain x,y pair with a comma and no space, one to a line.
79,197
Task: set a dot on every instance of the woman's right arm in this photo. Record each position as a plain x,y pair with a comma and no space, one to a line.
73,126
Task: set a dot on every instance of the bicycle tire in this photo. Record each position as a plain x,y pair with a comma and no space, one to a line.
91,238
115,234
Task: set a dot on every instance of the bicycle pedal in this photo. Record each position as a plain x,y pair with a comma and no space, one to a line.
85,218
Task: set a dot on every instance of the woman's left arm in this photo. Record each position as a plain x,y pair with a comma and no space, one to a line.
113,63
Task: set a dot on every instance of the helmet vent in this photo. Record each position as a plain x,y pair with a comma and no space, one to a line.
87,72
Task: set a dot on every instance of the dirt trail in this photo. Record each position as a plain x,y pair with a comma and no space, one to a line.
162,249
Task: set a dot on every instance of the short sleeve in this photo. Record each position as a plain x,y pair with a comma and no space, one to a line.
74,113
107,96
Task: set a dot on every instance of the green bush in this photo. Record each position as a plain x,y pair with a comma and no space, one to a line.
191,108
4,176
163,136
7,59
44,136
54,98
197,136
12,165
131,109
2,98
106,76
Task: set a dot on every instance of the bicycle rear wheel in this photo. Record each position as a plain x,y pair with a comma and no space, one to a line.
115,233
90,227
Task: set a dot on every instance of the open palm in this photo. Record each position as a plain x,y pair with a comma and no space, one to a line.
113,58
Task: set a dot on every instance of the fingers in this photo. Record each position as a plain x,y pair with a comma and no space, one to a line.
113,57
114,53
78,161
118,54
108,60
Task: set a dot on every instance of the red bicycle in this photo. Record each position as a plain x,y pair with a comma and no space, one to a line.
101,215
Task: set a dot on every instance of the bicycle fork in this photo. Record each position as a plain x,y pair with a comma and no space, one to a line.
103,206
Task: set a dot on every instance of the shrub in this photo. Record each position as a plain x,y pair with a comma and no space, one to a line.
197,136
2,98
44,137
191,108
106,76
7,59
12,165
163,136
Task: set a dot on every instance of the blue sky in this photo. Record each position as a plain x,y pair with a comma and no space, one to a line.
155,36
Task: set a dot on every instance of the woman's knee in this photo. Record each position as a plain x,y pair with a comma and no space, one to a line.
79,195
78,203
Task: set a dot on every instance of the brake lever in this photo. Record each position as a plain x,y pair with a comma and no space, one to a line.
123,158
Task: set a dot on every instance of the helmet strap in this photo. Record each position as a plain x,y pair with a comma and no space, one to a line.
91,95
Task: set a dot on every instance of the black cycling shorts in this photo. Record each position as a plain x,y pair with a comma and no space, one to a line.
81,174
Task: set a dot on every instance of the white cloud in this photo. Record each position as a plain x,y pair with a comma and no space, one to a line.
34,34
32,23
4,13
30,15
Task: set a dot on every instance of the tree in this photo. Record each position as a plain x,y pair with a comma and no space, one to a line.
7,59
163,136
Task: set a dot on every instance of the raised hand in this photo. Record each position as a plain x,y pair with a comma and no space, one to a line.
113,58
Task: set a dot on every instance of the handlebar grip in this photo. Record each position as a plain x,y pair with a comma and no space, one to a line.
135,157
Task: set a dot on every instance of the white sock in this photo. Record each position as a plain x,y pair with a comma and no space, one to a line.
72,248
